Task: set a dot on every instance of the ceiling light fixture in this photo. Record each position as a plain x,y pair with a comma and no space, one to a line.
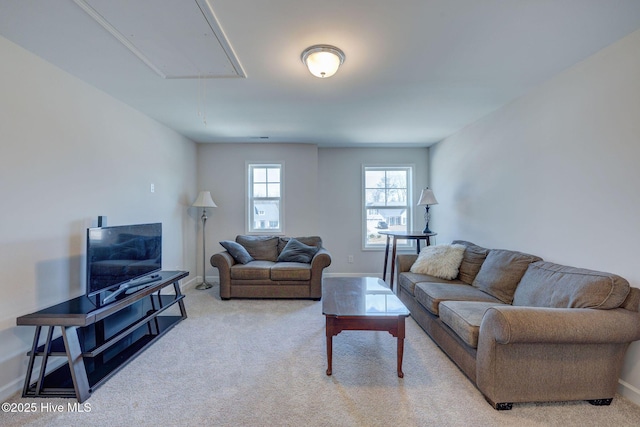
322,60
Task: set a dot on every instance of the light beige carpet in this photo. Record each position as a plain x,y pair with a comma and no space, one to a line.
263,362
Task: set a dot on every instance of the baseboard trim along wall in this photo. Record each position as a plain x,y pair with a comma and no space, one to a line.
630,392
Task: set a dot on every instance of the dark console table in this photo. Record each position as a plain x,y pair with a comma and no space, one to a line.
398,235
98,342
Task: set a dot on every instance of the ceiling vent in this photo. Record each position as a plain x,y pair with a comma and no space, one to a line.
177,39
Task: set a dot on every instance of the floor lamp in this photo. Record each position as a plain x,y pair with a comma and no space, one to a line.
427,198
204,201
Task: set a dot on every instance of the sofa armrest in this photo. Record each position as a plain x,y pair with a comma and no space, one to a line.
529,354
405,261
511,324
320,261
223,262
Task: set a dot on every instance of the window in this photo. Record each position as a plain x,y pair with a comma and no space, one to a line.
264,213
387,204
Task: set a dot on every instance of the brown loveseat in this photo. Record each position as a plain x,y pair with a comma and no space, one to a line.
272,267
525,330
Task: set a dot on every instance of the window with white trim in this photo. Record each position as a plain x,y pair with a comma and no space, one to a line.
386,203
265,198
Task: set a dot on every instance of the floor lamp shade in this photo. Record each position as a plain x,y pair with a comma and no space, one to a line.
204,201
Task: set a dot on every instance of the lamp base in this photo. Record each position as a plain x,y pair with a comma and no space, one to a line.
204,285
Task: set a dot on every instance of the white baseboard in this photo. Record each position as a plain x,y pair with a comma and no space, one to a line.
630,392
216,279
11,388
378,275
190,284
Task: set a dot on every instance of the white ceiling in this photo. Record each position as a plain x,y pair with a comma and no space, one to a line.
416,71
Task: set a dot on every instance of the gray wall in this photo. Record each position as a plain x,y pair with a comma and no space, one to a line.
221,170
68,154
555,174
323,195
340,193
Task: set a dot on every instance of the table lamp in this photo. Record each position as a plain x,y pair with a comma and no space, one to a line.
426,199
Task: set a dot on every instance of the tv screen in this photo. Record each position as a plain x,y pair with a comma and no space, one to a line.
121,254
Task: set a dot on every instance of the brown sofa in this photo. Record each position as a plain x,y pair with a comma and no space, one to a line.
525,330
266,275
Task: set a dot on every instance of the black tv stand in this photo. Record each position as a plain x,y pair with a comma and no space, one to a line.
99,341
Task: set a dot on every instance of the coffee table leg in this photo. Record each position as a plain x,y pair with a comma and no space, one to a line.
400,345
329,329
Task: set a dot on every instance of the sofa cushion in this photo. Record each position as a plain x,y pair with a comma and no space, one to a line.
442,261
472,260
307,240
254,270
464,318
296,251
501,272
237,251
430,295
552,285
408,280
261,248
291,271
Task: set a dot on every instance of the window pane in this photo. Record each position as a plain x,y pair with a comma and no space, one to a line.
259,174
259,190
397,179
375,197
273,174
384,220
273,190
397,197
266,214
374,179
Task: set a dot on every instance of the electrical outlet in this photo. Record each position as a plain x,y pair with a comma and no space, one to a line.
153,187
350,259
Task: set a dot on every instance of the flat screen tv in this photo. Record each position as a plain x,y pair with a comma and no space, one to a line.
122,257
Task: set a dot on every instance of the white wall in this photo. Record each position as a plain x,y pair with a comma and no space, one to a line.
555,174
222,171
340,196
68,154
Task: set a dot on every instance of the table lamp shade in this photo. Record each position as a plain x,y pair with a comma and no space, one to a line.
204,200
427,198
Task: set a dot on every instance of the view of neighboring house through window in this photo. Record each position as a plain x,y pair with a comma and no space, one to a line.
386,202
265,198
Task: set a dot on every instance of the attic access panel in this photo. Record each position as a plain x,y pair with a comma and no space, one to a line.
176,38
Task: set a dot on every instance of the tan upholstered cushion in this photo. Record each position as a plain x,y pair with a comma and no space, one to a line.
290,271
408,280
464,318
552,285
261,248
430,295
501,272
254,270
472,260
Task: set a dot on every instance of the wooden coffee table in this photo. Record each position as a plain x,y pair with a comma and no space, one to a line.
362,304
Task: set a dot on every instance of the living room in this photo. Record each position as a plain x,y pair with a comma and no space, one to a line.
551,173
